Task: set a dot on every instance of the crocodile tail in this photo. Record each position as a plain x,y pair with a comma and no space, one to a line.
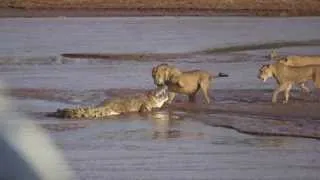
77,113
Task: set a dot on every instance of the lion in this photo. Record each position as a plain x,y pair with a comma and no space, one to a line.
300,60
296,60
184,82
138,103
287,76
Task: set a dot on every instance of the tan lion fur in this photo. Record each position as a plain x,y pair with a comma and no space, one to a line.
287,76
296,60
183,82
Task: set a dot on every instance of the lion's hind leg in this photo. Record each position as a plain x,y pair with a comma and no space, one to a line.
205,85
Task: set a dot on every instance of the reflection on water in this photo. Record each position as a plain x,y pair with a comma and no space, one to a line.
168,125
163,122
162,126
157,125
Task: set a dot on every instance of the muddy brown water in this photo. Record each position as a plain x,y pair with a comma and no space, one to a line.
241,135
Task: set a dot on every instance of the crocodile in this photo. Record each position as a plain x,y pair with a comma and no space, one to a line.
138,103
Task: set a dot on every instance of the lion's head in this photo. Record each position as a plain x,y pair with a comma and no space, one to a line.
273,55
265,72
163,73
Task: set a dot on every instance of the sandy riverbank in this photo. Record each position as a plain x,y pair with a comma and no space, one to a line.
95,8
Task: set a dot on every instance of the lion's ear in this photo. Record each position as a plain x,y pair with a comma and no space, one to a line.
273,54
264,66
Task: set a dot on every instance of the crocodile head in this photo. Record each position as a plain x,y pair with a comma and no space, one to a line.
158,97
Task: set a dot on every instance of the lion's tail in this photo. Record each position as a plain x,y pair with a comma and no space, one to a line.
77,113
220,74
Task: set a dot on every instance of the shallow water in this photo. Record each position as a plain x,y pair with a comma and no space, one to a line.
158,147
174,145
52,36
114,75
170,143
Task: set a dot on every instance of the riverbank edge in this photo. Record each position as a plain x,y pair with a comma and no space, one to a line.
6,12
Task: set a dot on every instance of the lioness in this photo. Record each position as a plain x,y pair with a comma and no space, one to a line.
139,103
187,82
286,76
296,60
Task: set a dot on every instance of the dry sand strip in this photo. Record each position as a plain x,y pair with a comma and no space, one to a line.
49,8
